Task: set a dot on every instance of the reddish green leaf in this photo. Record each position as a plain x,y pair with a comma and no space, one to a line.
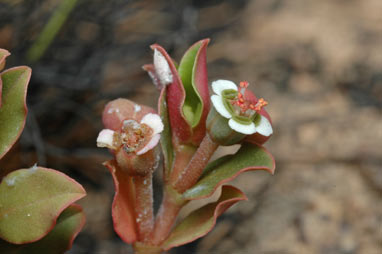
59,240
249,157
31,200
123,204
3,54
175,100
201,221
13,110
193,72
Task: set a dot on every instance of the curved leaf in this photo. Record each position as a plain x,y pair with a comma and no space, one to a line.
202,221
59,240
13,110
192,107
123,212
3,54
175,100
249,157
193,72
31,200
200,82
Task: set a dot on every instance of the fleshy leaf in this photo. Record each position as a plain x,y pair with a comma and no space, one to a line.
3,54
31,200
193,72
202,221
123,204
249,157
165,139
175,99
13,110
59,240
192,108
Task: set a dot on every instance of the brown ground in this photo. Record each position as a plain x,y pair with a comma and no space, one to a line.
318,63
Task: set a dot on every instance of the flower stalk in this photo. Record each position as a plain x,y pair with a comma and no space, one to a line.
144,206
190,175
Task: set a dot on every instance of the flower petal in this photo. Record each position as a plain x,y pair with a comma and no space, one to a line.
219,85
162,68
105,139
246,129
154,122
217,101
264,127
150,145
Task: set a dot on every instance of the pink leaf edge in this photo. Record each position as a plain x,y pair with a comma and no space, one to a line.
176,96
25,105
79,228
270,170
221,207
60,210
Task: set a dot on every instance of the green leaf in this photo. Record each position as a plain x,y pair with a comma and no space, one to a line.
249,157
201,221
59,240
193,104
31,200
13,110
165,139
3,54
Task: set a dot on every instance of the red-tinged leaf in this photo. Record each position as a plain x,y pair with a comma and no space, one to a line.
31,200
3,54
118,110
59,240
175,99
202,221
200,81
249,157
165,139
193,73
13,111
123,204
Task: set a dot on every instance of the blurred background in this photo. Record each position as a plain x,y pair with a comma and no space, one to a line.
318,63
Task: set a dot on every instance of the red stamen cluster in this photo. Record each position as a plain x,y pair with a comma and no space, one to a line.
246,105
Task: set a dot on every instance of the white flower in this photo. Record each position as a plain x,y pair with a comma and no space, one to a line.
106,139
243,116
134,137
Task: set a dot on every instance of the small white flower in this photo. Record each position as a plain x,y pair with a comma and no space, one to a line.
105,139
162,68
134,137
252,121
155,123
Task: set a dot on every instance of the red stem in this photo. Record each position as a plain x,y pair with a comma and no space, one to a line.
166,216
144,206
195,167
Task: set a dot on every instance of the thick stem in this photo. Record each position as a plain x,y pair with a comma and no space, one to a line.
166,217
195,167
183,155
144,206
